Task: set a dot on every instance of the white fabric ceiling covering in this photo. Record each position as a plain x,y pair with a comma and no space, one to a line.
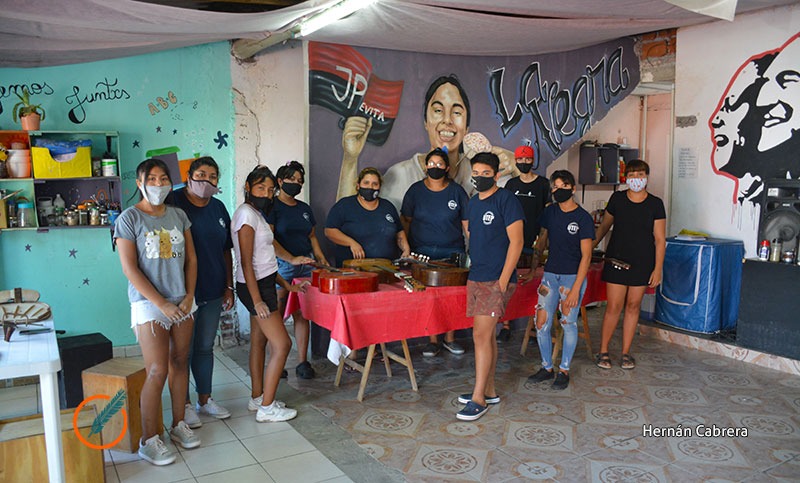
54,32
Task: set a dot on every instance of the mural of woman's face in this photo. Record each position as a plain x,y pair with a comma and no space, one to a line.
781,95
446,118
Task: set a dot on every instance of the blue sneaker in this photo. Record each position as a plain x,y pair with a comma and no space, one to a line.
471,412
465,398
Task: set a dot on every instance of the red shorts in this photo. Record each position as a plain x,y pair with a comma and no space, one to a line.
485,298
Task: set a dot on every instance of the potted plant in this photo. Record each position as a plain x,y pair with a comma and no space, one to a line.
29,114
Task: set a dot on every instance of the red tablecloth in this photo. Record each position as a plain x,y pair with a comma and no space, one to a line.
391,313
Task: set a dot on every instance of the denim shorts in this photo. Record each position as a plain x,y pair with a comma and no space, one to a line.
289,272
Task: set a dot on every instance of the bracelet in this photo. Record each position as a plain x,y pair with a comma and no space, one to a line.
229,287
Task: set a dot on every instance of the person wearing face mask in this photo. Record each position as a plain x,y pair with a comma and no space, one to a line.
494,224
434,214
533,192
639,238
365,225
294,225
569,229
157,254
212,238
255,287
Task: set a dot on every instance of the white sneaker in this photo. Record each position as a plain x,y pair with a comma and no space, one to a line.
191,417
156,452
184,436
212,409
254,403
274,413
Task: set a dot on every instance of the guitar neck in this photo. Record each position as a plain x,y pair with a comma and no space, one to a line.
410,283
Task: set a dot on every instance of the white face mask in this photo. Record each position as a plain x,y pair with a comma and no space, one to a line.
155,195
637,184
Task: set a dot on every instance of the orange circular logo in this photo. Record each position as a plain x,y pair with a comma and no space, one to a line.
84,440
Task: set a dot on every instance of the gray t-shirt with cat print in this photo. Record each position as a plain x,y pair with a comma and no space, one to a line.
160,246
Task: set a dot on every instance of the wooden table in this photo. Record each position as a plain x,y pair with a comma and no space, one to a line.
37,355
392,314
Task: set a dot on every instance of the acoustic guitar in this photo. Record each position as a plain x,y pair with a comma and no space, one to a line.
332,280
384,266
436,273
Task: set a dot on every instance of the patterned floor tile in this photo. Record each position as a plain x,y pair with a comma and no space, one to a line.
608,472
708,451
730,380
676,395
403,423
449,462
538,436
767,425
614,414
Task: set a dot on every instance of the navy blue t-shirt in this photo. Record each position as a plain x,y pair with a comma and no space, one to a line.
564,234
488,239
293,225
211,233
436,215
376,231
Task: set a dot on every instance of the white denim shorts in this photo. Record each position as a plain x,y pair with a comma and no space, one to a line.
144,311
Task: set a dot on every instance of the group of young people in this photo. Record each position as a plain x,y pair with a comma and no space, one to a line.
177,258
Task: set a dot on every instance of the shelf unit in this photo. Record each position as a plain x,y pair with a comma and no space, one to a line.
73,190
609,156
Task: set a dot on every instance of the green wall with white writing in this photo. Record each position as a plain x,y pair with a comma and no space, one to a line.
174,99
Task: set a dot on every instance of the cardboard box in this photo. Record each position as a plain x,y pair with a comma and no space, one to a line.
44,166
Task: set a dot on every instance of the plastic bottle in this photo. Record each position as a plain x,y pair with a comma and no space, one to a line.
58,202
25,215
622,177
775,251
763,250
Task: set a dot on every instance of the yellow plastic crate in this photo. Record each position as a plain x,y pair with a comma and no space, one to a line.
44,166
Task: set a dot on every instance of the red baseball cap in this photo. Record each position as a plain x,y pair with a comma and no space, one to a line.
523,152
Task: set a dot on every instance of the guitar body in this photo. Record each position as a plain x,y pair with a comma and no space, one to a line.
440,276
373,265
346,282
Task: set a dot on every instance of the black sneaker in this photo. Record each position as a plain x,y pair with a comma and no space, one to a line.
504,335
541,376
431,349
561,382
304,370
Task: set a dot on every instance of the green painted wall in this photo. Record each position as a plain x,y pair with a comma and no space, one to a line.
178,98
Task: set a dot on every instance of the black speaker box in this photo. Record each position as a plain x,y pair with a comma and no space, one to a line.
768,308
79,352
780,213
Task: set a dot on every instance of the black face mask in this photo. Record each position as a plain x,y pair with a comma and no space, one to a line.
524,167
261,203
368,194
291,189
562,194
482,183
436,173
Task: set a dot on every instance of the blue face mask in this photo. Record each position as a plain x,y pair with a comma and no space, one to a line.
636,184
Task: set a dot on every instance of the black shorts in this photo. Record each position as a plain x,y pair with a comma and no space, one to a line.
266,287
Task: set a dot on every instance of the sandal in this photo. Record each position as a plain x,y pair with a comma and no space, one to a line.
628,362
603,360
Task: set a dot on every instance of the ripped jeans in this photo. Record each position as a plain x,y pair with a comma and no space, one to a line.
552,291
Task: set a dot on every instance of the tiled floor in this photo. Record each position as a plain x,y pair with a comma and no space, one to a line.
593,431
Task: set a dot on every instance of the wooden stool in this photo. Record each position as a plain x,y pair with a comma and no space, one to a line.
108,378
557,338
364,370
